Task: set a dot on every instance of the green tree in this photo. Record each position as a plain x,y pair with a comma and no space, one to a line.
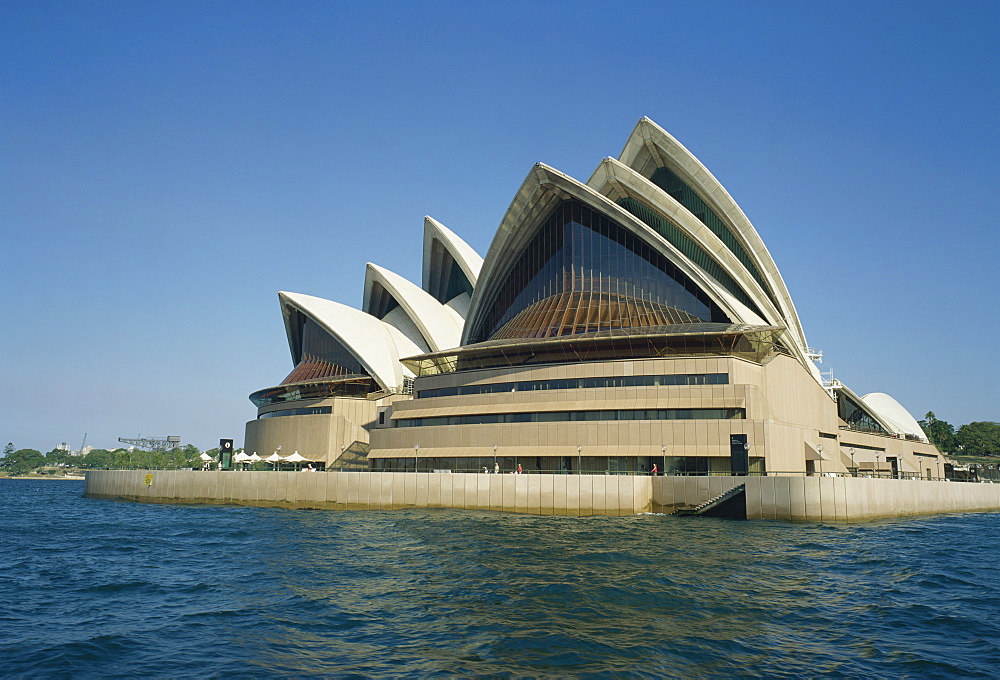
24,461
97,458
979,438
56,456
940,432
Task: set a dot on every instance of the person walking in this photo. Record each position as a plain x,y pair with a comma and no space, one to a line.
519,470
496,468
654,469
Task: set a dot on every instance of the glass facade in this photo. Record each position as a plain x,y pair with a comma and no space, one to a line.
321,355
588,465
667,180
579,383
579,416
382,302
582,272
689,248
358,388
458,283
856,417
447,280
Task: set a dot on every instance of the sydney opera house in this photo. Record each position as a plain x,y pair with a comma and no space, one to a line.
631,323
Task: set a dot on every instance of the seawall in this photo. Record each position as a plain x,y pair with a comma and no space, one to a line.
828,499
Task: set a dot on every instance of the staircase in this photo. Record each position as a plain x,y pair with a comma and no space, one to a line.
731,503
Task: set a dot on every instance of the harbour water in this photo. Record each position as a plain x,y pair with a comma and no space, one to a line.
101,588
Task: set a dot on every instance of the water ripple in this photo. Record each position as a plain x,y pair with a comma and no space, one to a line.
94,588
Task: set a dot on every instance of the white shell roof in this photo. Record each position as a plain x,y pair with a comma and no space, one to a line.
468,259
894,413
439,325
376,345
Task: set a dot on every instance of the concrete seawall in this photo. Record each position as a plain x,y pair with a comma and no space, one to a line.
828,499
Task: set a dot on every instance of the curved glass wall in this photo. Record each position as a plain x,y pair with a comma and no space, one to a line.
358,388
691,250
382,302
447,281
320,355
314,411
856,417
667,180
579,383
582,272
578,416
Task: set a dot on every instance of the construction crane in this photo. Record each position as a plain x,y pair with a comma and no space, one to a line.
152,443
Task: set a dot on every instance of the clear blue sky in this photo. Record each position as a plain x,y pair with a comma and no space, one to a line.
166,167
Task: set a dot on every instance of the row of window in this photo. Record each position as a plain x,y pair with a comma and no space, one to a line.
597,465
314,411
576,416
580,383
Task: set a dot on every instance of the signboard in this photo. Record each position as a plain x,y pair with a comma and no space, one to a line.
149,480
225,454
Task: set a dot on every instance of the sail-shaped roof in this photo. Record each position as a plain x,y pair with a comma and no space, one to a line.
375,345
597,272
894,414
450,266
656,155
388,295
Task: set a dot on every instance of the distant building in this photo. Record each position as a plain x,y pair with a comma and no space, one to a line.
632,321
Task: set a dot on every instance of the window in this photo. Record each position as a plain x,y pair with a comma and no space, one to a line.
316,410
578,416
579,383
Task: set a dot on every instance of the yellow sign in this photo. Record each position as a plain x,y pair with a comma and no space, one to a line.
149,480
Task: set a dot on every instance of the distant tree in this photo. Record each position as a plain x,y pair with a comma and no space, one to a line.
24,461
188,456
56,456
9,449
98,458
940,432
979,438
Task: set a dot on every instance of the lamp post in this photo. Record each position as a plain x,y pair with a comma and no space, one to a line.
416,452
820,449
878,466
579,460
854,468
746,447
494,457
939,468
663,458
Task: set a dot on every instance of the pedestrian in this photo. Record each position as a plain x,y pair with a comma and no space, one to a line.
519,470
496,468
654,469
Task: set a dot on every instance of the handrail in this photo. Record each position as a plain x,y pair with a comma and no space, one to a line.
903,476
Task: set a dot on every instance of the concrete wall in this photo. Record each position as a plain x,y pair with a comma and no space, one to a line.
849,499
531,494
828,499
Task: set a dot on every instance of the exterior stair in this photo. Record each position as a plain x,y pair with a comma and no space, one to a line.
731,503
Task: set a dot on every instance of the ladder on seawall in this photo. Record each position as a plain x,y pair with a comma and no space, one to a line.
711,503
